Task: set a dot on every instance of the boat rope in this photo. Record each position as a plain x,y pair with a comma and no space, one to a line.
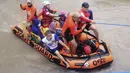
86,60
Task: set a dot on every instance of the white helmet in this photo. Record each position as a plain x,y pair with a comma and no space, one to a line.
29,1
46,3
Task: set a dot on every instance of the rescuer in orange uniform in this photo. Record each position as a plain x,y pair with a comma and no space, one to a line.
69,30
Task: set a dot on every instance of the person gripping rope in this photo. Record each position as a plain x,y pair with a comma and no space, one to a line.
87,18
69,29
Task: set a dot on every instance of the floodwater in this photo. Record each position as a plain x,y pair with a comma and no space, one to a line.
17,57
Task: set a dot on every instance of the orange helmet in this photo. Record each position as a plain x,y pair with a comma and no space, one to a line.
83,37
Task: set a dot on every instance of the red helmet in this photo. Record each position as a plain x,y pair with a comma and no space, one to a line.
87,49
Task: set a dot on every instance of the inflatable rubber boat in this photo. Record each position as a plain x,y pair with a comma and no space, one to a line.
100,52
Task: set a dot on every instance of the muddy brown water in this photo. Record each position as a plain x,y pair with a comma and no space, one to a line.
17,57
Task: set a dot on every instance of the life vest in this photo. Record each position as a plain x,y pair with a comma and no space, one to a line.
46,18
31,12
82,19
71,26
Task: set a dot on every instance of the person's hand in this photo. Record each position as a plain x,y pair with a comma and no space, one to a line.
93,22
20,4
68,49
56,15
85,30
54,11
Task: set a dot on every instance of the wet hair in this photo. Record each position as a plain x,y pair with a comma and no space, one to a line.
29,4
48,32
85,5
76,14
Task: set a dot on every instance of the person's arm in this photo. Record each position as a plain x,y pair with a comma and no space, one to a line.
23,7
63,44
73,31
57,39
49,14
40,14
58,25
42,43
52,15
91,14
32,15
85,18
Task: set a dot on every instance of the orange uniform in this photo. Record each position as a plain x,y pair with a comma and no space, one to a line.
31,12
71,26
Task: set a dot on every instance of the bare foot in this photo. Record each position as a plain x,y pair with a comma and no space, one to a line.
67,65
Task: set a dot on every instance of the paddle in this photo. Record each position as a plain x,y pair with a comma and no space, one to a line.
125,25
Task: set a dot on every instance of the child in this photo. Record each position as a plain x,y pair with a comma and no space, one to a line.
36,28
52,40
62,18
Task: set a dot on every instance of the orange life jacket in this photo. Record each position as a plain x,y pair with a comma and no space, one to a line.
31,12
70,24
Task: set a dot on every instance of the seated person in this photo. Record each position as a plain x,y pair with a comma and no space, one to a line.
47,14
55,25
36,28
52,40
62,18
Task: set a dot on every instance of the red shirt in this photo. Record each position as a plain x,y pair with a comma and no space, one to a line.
45,15
84,18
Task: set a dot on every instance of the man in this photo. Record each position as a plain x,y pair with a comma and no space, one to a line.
47,14
31,10
87,18
31,14
33,24
52,40
69,29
